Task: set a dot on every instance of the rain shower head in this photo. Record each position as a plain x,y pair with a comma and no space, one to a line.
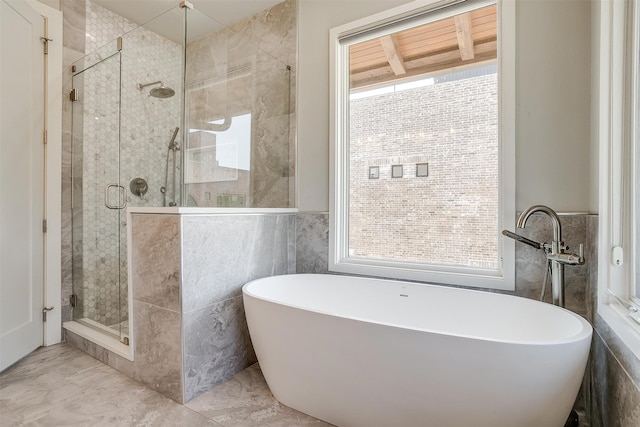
162,92
158,92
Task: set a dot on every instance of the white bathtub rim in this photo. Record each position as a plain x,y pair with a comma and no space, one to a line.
585,332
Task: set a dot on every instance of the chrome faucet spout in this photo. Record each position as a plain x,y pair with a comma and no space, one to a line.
556,257
557,228
557,268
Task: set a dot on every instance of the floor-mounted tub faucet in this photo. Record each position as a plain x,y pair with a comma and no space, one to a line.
556,256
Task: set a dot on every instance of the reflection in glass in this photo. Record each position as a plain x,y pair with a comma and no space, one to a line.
237,104
215,135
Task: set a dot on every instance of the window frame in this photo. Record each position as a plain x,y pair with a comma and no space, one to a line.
618,138
388,22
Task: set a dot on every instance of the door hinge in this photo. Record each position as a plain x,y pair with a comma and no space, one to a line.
45,44
44,313
44,136
73,95
44,225
73,300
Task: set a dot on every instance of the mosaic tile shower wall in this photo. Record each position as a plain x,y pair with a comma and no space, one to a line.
126,135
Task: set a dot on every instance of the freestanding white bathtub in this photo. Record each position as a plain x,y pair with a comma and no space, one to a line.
367,352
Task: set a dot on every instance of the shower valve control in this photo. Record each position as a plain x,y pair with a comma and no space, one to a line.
139,186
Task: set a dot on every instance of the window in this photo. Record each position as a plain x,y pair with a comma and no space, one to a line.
619,192
423,151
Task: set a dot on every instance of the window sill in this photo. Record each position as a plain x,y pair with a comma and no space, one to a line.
472,278
621,325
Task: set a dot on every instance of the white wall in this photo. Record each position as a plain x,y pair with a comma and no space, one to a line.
552,100
315,18
594,173
553,85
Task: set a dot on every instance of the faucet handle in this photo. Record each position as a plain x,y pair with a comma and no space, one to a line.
567,258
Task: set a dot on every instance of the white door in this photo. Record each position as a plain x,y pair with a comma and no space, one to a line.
21,180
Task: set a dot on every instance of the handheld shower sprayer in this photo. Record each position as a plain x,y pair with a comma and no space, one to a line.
171,149
173,145
523,239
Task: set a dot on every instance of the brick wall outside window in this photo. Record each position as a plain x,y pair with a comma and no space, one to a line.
449,217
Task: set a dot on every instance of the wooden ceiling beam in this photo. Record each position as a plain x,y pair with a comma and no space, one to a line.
465,35
484,51
392,52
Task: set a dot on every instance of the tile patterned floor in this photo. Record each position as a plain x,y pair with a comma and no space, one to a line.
61,386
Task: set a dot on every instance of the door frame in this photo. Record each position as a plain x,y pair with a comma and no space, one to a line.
52,271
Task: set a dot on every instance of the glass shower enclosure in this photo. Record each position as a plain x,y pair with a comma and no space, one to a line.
180,111
127,103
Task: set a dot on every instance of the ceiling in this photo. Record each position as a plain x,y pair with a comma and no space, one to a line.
458,41
207,16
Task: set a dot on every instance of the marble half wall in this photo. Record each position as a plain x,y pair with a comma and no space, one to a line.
187,271
219,255
157,318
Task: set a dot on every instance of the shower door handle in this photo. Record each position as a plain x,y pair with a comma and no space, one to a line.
122,197
106,196
123,192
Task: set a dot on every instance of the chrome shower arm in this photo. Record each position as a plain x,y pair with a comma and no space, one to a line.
142,86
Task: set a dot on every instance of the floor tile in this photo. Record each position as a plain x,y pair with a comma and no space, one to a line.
33,398
59,358
61,386
245,401
8,418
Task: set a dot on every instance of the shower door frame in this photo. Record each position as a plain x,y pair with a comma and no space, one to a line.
116,340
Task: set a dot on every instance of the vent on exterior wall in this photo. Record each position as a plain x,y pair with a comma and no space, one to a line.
422,170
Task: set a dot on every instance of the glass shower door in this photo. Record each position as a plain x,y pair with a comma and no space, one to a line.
98,198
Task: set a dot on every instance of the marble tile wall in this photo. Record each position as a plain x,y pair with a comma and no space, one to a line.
220,254
248,68
157,318
531,262
274,31
614,370
615,374
190,331
312,242
156,305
